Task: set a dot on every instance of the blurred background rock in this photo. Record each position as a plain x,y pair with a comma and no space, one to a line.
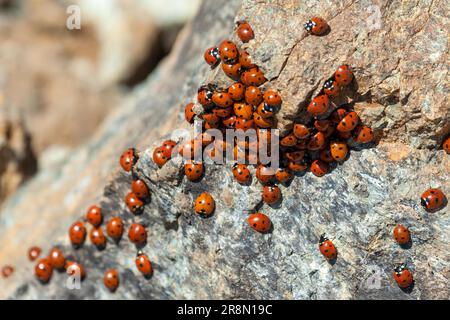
56,85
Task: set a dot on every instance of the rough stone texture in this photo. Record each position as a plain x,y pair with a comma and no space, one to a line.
401,90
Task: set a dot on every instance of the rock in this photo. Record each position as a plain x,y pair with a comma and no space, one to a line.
357,205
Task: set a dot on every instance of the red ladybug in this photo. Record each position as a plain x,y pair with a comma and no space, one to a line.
245,31
241,173
229,122
94,215
222,112
272,98
253,77
331,88
349,122
7,271
204,96
43,270
363,134
236,91
327,248
34,253
298,166
432,199
322,125
446,145
325,155
77,233
265,110
111,279
271,194
301,131
245,60
193,170
288,141
128,159
233,71
167,147
56,258
295,155
319,105
263,122
243,110
339,150
319,168
259,222
134,204
403,276
204,204
343,75
73,268
401,234
244,124
317,141
114,228
316,26
228,51
159,157
264,174
253,96
283,175
211,118
189,113
222,99
212,56
338,115
137,234
97,237
143,264
140,189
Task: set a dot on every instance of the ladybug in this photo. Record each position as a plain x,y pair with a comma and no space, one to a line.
331,88
34,253
288,141
295,155
143,264
241,173
134,204
56,258
168,147
137,234
297,166
74,268
253,96
111,279
222,99
243,110
327,248
363,134
233,71
212,56
236,91
204,96
94,215
265,174
319,168
403,276
189,113
158,156
7,271
349,122
446,145
204,204
114,228
228,51
259,222
325,155
343,75
271,194
322,125
77,233
316,26
193,170
211,118
339,150
432,199
402,234
272,98
283,175
222,112
140,189
128,159
97,237
262,122
338,115
301,131
254,77
245,31
244,124
265,111
317,141
229,122
318,105
43,270
245,60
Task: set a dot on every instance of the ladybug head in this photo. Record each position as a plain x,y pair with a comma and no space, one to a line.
139,253
267,108
399,268
424,202
215,53
308,25
328,84
322,239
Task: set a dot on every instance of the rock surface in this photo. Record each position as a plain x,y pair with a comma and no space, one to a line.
401,70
